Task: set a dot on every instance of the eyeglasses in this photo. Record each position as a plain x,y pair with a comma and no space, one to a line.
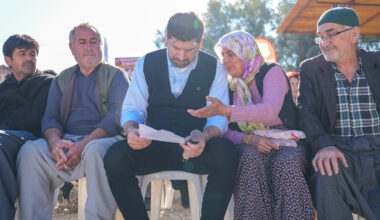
186,51
329,37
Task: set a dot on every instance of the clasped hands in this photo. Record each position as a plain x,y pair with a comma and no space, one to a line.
190,150
67,153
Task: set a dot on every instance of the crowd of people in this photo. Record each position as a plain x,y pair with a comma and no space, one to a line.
84,122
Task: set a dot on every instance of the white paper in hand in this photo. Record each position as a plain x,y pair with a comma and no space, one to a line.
159,135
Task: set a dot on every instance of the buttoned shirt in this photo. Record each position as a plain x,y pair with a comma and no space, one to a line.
136,100
356,113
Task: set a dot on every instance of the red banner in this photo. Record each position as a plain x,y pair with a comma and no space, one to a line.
126,63
267,49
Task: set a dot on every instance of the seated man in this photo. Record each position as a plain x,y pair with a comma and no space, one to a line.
340,105
23,98
165,84
80,123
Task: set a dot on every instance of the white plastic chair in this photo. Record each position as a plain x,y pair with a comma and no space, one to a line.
160,182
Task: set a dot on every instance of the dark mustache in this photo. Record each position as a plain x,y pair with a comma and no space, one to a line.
28,62
185,60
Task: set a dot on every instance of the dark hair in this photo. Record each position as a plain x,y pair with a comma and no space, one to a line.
20,42
293,74
51,72
185,27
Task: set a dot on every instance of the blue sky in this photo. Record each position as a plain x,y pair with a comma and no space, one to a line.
129,26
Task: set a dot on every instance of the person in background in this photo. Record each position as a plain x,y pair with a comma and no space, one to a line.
80,123
4,72
164,85
339,101
270,181
23,97
294,81
5,69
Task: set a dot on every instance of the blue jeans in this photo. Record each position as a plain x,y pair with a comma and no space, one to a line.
23,135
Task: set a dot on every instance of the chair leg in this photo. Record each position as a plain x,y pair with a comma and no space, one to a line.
169,194
230,209
155,202
82,197
118,215
357,217
194,201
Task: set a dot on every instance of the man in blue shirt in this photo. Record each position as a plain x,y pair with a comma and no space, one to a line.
165,84
79,125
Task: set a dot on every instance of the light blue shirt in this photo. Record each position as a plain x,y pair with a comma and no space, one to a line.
136,99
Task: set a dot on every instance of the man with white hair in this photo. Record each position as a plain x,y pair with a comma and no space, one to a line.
339,100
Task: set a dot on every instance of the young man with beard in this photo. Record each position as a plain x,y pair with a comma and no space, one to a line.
165,84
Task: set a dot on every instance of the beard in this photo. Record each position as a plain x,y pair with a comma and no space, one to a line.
180,63
29,67
331,55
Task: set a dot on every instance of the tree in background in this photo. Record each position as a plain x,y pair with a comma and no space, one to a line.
160,39
261,19
291,48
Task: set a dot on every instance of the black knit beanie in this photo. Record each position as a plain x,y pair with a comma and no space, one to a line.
340,15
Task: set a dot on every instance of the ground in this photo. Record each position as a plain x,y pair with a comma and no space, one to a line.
69,211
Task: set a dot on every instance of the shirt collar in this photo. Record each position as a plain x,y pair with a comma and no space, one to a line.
93,73
10,80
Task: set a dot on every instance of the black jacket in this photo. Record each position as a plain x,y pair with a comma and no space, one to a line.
22,104
317,96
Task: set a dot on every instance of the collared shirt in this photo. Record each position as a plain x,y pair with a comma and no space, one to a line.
136,100
356,112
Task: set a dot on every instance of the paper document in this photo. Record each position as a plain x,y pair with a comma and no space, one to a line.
159,135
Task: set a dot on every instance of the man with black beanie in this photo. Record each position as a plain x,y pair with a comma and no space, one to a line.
339,100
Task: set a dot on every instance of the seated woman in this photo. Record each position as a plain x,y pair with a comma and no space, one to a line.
270,183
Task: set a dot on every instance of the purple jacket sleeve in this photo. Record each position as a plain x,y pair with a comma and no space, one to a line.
274,90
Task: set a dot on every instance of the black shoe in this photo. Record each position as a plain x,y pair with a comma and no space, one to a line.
185,197
147,198
181,185
66,189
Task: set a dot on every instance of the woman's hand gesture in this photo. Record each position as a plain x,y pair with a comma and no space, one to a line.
216,107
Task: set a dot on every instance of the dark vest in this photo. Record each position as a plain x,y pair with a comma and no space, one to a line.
66,80
288,113
164,110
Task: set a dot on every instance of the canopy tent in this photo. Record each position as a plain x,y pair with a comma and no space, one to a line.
303,16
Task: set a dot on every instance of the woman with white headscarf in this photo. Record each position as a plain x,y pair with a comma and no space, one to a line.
270,183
